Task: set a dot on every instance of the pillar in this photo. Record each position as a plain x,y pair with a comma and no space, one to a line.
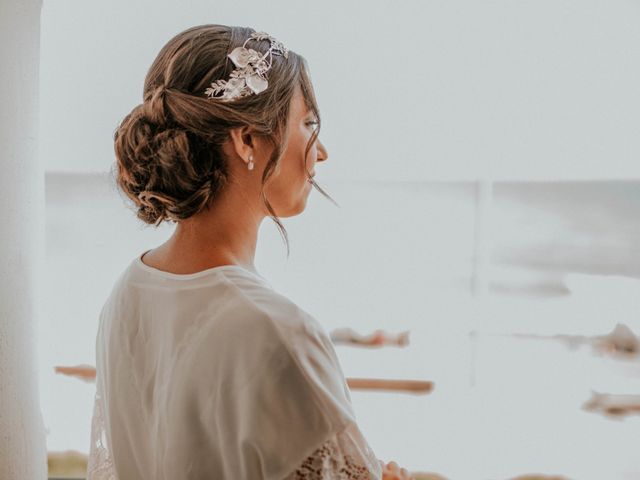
22,434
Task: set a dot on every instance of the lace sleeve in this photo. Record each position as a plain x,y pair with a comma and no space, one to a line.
100,464
345,456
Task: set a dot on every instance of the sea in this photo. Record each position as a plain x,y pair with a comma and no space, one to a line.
483,278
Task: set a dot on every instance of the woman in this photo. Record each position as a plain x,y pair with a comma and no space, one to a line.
204,371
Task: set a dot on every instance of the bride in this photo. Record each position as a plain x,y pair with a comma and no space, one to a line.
204,371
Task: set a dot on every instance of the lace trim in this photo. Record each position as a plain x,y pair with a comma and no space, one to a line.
100,463
345,456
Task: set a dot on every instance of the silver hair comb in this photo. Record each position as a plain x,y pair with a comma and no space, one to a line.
249,77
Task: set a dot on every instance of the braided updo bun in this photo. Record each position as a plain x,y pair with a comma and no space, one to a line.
168,171
168,149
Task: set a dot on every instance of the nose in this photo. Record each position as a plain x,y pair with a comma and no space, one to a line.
322,152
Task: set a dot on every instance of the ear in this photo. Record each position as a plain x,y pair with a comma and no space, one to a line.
243,142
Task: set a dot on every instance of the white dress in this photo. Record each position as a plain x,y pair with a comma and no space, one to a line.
215,375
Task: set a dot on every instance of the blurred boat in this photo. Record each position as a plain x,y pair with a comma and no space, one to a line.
613,405
378,338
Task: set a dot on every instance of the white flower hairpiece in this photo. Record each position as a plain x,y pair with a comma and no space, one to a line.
249,77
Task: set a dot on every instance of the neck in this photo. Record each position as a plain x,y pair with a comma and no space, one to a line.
225,234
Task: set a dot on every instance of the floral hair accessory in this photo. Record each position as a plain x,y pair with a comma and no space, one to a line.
249,77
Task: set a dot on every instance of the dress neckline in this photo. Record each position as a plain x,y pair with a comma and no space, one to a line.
187,276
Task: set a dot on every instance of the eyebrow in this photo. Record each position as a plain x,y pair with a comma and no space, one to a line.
307,110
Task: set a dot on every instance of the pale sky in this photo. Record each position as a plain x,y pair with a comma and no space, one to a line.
411,90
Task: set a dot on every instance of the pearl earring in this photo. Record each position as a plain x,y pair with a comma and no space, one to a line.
250,165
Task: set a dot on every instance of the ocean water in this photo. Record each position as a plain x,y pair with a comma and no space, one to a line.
563,259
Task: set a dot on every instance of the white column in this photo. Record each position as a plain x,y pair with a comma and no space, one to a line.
481,265
22,436
482,238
